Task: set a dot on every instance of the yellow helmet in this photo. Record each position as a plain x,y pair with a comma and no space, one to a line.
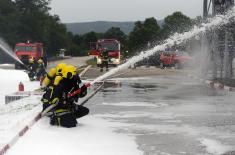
69,71
59,68
52,72
31,60
40,61
50,75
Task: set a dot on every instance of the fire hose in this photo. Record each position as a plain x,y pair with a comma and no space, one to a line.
21,133
43,113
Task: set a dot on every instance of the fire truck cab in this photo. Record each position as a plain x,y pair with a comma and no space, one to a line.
112,45
27,51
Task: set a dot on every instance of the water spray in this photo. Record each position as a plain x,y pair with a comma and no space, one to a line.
177,38
7,50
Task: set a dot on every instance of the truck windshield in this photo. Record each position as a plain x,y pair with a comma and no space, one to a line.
109,46
25,48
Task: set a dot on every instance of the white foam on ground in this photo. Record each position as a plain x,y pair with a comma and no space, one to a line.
93,136
215,147
136,104
9,82
131,114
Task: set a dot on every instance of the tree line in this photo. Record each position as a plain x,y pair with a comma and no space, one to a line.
23,20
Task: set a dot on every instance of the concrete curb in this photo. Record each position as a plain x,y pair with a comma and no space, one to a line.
219,86
214,85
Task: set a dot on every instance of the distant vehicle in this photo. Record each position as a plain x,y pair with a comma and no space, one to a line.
153,60
114,49
62,53
174,59
27,51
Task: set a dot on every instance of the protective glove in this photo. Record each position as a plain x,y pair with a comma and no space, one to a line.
83,91
77,78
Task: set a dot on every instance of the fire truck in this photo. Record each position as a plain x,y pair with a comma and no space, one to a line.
175,59
27,51
112,45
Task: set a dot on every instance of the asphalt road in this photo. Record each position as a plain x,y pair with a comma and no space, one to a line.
169,114
76,61
165,111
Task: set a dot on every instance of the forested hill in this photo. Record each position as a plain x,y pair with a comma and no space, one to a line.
99,27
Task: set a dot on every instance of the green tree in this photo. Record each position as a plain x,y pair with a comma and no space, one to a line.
37,25
33,15
75,42
8,21
56,35
177,22
143,34
29,6
115,33
77,39
135,38
152,29
87,38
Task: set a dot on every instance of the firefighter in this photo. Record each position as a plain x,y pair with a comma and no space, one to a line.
105,60
65,111
51,79
59,68
53,72
41,71
32,69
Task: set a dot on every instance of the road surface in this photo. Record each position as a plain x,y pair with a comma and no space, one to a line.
169,114
154,112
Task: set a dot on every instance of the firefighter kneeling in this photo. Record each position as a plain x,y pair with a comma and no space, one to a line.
65,111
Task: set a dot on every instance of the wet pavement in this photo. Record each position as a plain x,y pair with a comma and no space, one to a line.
169,115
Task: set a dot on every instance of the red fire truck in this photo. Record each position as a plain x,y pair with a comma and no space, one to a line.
112,45
27,51
175,59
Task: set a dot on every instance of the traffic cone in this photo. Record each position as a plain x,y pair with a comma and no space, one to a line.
21,86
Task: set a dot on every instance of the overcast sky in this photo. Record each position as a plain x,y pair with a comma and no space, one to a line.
122,10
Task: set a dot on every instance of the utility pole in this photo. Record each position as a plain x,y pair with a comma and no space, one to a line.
205,9
222,41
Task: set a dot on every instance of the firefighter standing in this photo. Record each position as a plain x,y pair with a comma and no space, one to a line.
40,71
65,111
32,67
105,60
